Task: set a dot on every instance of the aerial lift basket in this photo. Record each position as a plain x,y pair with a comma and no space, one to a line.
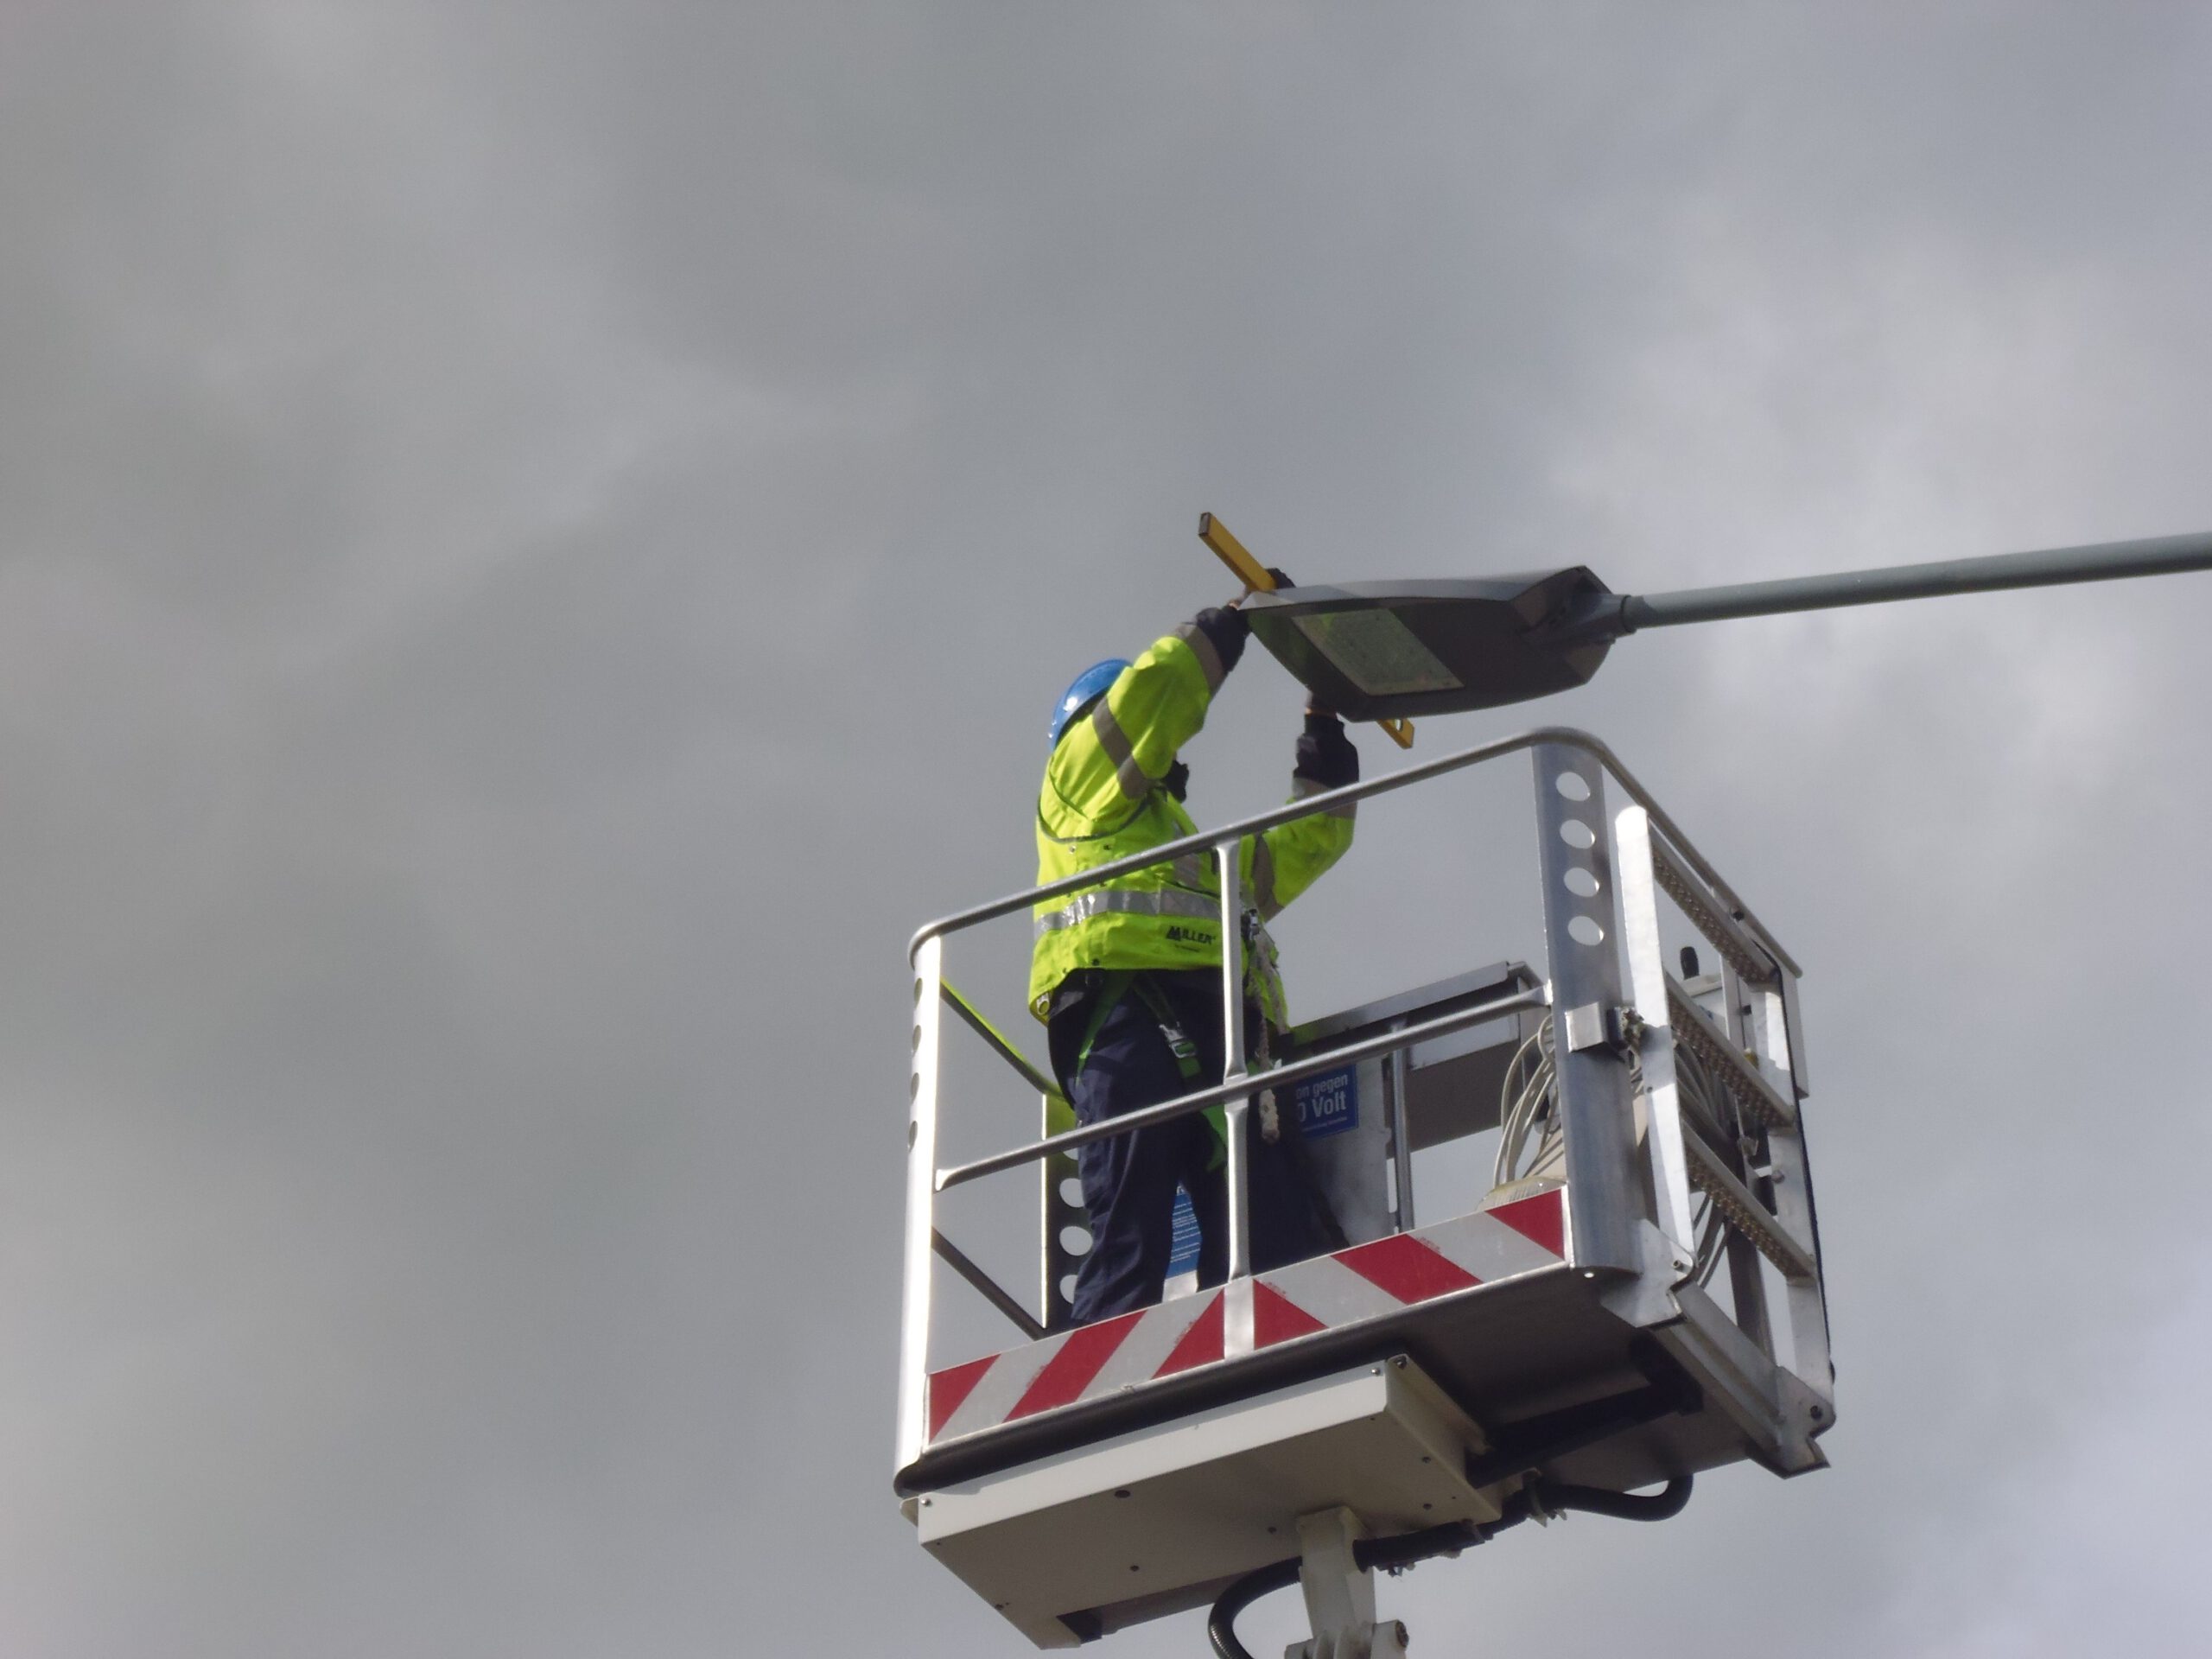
1646,1305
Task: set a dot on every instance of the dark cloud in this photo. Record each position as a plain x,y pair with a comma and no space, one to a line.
535,543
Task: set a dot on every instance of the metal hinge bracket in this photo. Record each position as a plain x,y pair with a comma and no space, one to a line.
1594,1026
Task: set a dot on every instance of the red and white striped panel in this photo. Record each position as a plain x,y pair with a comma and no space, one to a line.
1360,1283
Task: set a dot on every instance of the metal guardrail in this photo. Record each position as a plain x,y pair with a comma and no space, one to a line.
1251,1082
1718,912
1208,841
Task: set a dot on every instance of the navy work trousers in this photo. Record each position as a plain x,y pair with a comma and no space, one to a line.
1129,1180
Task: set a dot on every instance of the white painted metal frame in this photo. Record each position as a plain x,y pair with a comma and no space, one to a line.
1610,1001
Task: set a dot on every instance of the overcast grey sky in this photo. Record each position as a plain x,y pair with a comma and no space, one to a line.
536,542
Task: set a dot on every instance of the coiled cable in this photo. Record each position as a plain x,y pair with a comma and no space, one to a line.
1529,1109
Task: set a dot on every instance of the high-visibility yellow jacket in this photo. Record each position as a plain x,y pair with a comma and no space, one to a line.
1103,799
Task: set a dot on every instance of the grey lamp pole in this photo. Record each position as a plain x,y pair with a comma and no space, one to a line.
2162,555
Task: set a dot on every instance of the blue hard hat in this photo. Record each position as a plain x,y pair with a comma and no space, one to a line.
1090,684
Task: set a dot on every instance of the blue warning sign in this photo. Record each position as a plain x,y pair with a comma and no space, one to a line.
1183,1250
1329,1103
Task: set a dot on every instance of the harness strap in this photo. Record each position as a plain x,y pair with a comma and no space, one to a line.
1110,988
1171,1028
1113,986
1187,1060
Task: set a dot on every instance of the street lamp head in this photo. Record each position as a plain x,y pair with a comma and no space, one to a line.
1382,650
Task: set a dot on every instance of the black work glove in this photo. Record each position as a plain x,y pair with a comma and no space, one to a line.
1326,755
1224,628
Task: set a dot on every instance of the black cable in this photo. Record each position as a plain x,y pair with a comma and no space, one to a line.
1221,1623
1389,1554
1663,1504
1407,1548
1393,1554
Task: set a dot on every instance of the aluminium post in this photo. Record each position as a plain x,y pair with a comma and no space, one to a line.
921,1202
1596,1110
1611,615
1238,1337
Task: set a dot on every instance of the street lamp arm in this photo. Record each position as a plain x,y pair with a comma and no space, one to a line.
1611,615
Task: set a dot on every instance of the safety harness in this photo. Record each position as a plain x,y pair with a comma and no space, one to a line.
1113,986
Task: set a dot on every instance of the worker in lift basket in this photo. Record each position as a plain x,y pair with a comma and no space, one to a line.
1126,974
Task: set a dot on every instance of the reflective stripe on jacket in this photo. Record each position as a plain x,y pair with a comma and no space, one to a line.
1103,800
